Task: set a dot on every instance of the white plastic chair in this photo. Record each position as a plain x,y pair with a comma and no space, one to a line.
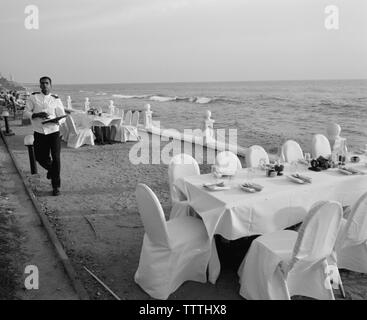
172,252
227,161
284,263
320,146
351,246
180,166
254,155
291,151
78,136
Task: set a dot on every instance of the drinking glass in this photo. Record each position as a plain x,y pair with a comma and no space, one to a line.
215,173
308,157
293,167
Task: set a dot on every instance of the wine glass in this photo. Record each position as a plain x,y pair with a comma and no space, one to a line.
215,172
308,157
293,167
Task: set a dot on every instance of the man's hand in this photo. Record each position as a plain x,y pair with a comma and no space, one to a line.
42,115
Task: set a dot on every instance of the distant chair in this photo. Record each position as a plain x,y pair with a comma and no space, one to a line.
291,151
180,166
285,263
135,119
64,131
351,246
129,129
227,161
128,117
78,136
173,252
320,146
254,155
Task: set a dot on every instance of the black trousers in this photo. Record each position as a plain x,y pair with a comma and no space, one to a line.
44,145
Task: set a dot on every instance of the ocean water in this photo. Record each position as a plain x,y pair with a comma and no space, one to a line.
264,113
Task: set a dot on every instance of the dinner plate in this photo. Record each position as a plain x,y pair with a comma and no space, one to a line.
295,180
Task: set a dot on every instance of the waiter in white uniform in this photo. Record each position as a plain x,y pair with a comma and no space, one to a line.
42,106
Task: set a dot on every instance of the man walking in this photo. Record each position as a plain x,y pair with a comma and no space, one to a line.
43,106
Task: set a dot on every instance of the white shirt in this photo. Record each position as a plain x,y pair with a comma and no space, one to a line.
38,102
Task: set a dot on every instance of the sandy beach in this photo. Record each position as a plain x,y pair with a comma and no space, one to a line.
97,220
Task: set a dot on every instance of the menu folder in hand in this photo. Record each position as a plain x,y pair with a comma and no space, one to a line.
53,119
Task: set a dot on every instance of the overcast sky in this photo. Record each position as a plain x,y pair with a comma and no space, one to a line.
90,41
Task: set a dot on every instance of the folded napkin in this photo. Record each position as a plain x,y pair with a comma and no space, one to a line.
295,179
352,170
345,171
255,186
215,186
303,178
247,189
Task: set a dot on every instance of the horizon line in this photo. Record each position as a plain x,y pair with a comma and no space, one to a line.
186,82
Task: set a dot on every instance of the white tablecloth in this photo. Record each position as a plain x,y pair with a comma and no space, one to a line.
234,213
82,119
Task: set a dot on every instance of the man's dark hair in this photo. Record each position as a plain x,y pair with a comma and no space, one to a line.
45,77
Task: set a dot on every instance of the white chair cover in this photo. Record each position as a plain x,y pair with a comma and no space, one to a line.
351,248
128,131
78,136
128,116
117,124
64,131
320,146
172,252
285,263
135,119
291,151
180,166
254,154
228,162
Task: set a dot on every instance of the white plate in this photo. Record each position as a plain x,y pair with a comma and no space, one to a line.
295,180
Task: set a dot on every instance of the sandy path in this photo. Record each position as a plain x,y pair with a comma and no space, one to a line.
24,242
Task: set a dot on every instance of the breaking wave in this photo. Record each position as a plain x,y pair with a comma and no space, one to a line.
162,98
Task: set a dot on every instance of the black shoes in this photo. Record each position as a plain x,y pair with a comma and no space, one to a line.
55,192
